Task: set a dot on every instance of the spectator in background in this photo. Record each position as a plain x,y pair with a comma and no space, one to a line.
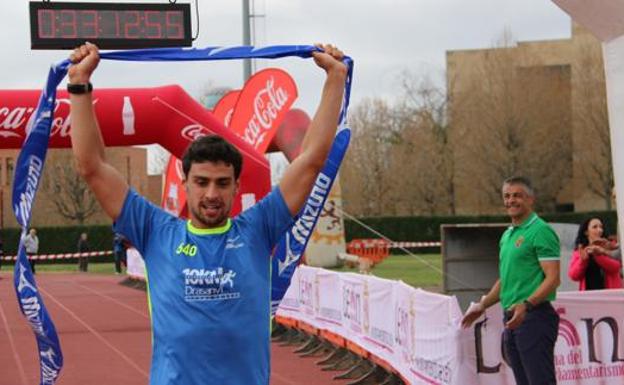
596,261
83,247
529,277
31,244
119,251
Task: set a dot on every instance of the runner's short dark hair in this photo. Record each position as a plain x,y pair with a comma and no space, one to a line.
212,148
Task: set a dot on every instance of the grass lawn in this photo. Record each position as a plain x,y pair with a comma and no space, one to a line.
410,269
98,268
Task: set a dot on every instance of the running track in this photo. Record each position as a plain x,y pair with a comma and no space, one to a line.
105,335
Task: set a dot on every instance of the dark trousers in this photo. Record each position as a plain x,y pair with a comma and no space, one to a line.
120,257
32,262
83,263
530,348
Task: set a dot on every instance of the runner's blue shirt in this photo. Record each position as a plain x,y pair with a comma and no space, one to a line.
209,291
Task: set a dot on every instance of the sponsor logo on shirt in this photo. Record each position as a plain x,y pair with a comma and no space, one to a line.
209,285
233,243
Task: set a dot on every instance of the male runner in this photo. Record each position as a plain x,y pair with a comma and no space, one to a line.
208,278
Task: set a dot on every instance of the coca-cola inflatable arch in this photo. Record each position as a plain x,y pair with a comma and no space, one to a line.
170,117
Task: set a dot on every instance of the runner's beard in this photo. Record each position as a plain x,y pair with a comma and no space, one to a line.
210,215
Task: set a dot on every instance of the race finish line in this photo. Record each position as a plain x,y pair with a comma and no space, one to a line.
31,160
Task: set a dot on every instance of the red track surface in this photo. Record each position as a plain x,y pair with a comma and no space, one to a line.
105,335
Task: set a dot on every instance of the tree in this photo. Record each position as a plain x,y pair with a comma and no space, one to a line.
70,194
590,113
368,186
425,111
515,119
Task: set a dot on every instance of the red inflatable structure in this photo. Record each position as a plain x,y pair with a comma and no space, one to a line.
255,119
164,115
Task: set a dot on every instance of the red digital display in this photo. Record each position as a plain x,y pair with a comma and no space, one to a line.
67,25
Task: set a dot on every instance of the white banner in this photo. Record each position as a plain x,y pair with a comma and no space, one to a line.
380,315
413,330
418,333
289,307
330,303
435,354
589,349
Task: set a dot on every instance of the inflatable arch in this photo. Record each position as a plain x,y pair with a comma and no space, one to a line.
138,116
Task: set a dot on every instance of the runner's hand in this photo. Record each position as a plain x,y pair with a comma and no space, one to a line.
330,59
85,59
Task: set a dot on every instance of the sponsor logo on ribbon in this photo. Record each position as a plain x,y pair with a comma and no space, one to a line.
292,245
28,171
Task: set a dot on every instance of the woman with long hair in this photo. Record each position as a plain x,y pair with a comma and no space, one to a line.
596,262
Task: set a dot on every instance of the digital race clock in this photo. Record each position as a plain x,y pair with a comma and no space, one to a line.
111,26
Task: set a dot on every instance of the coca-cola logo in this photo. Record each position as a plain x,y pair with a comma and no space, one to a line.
228,117
194,131
266,106
11,119
17,121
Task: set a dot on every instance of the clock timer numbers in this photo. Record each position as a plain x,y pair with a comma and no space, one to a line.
113,24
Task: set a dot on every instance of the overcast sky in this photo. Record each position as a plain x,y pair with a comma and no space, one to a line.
384,37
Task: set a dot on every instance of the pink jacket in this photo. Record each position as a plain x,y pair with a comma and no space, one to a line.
611,268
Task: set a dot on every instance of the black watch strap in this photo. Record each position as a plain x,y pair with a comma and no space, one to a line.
528,305
81,88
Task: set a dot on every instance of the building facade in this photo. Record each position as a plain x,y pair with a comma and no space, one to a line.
532,108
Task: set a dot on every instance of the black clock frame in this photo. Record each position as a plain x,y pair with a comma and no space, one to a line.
38,42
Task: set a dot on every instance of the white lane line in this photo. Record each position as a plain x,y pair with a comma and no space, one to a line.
18,362
96,334
125,306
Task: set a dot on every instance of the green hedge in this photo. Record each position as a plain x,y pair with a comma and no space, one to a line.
65,239
61,239
416,229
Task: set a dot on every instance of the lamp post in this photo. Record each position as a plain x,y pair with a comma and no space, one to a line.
246,39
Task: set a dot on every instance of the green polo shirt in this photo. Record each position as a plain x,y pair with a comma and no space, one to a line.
522,247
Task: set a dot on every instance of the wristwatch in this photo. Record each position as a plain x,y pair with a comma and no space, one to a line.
528,306
80,88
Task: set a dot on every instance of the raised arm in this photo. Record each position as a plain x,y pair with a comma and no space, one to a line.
107,184
299,177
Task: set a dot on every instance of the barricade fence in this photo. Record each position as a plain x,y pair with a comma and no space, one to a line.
50,257
135,267
417,334
378,249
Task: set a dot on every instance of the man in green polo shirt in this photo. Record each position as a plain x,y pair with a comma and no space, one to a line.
529,277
